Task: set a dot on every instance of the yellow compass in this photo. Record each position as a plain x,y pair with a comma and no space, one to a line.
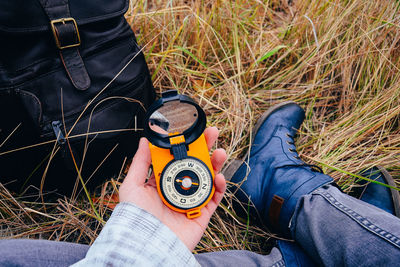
182,167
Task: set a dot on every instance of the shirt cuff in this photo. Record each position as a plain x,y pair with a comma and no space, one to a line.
132,236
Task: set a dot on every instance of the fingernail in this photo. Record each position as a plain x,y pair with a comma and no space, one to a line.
215,128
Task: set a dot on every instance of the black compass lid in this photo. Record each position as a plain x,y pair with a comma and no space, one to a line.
174,115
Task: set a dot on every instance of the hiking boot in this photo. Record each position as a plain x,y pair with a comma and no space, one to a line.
272,175
378,195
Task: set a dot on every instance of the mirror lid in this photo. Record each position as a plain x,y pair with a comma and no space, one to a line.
190,134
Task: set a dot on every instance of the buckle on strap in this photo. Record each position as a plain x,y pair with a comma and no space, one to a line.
64,35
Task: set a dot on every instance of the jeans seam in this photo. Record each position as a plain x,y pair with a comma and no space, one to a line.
279,263
364,222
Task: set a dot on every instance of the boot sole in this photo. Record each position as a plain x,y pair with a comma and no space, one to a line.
234,165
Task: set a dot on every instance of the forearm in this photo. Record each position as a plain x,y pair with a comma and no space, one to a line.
133,236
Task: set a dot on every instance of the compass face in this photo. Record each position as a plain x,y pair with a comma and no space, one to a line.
187,183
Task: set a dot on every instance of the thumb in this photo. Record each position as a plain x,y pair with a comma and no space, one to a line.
140,164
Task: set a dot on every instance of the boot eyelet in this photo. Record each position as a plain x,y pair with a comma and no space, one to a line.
289,143
288,135
296,157
292,150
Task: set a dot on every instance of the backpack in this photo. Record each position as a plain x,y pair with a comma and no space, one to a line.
74,87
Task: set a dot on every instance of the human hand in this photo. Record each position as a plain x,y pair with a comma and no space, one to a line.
144,195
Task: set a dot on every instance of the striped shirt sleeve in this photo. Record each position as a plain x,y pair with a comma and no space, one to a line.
134,237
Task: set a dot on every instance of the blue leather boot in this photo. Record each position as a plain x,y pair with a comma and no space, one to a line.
375,194
272,175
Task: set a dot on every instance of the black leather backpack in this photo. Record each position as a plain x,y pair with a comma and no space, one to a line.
74,86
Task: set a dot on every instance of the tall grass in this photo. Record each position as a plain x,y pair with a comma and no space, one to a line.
338,59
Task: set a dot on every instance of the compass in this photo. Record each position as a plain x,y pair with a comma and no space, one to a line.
174,125
186,183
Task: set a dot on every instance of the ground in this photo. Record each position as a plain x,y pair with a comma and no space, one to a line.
338,59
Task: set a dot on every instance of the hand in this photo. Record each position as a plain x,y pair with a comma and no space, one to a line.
144,195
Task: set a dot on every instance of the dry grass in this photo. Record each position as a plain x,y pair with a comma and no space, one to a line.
338,59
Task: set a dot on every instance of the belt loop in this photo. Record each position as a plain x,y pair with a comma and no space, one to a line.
66,36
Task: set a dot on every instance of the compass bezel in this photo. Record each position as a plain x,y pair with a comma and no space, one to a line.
209,187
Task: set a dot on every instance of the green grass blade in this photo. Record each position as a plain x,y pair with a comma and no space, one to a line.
270,53
192,56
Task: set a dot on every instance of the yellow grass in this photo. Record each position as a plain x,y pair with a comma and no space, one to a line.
338,59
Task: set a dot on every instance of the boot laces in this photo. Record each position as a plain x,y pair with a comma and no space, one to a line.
312,166
291,143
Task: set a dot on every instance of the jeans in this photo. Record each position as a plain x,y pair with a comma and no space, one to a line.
329,227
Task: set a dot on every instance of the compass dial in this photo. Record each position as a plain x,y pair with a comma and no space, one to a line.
186,183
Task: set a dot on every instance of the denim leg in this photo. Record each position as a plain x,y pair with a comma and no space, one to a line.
241,258
338,230
34,253
293,255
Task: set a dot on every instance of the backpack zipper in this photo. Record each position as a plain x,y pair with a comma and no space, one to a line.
56,125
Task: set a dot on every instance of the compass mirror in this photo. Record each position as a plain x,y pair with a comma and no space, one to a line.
174,117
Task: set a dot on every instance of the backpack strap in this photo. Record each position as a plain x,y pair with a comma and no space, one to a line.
66,36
